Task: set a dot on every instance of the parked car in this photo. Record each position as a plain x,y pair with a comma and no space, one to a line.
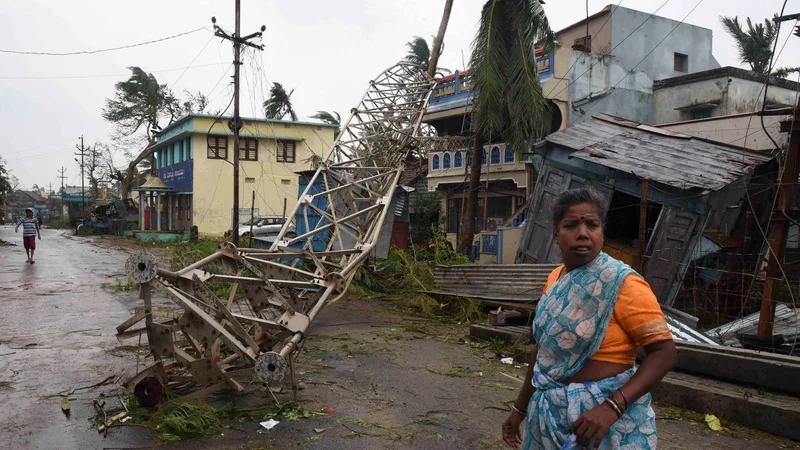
262,226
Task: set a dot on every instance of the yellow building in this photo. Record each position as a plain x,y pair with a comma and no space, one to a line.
195,160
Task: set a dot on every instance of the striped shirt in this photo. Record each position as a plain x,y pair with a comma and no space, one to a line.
29,226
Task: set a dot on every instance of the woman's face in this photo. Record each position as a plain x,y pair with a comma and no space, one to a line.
579,235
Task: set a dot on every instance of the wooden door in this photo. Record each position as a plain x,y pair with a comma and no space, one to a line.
537,244
673,240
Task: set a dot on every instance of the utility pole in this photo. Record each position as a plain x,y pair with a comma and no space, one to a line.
62,176
235,124
83,193
781,219
788,212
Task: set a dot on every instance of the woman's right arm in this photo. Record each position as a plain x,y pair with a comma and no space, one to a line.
511,434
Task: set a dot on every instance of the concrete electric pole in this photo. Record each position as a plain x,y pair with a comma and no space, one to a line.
62,176
235,124
83,193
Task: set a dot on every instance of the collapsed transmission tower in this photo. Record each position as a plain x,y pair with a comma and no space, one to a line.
276,293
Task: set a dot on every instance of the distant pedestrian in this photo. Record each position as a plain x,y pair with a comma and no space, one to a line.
30,229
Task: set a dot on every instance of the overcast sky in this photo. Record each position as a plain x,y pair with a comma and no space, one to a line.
326,50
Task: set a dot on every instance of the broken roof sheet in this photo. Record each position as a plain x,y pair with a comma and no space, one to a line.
657,154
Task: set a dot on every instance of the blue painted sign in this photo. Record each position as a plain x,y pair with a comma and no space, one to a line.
178,176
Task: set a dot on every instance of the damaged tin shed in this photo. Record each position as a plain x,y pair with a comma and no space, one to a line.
674,202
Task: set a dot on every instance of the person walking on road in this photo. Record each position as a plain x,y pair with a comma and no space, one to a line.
30,229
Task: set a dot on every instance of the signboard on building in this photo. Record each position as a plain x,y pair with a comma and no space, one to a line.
178,176
245,214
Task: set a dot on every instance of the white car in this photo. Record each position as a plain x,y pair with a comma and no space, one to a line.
265,225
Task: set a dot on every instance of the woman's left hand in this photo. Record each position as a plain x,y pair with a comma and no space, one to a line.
594,424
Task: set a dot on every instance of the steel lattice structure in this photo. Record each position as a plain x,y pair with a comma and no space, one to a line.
277,293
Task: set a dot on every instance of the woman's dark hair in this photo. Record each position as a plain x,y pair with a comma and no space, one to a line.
574,197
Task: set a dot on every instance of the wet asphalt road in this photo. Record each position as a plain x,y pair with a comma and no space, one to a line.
57,323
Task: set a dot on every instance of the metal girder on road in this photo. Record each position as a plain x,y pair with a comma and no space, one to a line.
276,294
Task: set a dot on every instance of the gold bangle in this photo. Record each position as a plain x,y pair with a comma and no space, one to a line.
614,407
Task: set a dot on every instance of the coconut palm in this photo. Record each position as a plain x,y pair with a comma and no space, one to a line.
418,51
330,118
279,103
326,117
509,102
754,44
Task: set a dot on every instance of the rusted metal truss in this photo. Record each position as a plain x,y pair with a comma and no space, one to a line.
277,293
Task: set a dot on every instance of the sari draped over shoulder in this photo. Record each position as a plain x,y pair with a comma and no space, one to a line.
570,324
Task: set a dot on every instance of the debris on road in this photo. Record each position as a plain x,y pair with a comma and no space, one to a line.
713,422
269,424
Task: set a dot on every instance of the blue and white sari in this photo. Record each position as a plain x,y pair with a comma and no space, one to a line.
571,321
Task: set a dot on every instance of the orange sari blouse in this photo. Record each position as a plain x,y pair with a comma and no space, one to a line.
637,321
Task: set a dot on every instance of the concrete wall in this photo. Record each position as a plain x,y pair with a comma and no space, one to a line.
274,181
556,87
508,244
731,95
743,130
620,81
687,39
607,86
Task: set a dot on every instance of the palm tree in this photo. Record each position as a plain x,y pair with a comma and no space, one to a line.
754,44
418,51
279,103
509,102
329,118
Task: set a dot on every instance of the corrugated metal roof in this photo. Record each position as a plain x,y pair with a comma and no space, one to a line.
656,154
786,323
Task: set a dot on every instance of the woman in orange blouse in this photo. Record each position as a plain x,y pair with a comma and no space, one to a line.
582,389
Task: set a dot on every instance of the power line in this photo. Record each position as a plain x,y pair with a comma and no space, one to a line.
614,47
190,64
628,72
102,76
91,52
577,59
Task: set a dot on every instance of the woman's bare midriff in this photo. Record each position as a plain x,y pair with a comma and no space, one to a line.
597,370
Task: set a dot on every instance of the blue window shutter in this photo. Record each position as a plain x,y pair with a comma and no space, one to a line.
435,162
509,155
495,155
457,160
446,161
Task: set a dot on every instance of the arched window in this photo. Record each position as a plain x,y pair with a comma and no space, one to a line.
483,156
469,159
435,162
446,161
457,162
509,155
495,155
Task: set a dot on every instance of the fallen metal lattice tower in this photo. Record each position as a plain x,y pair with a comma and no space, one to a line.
277,293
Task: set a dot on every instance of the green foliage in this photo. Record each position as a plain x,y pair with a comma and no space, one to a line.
510,102
426,211
326,117
63,224
186,252
754,44
139,103
177,421
129,286
279,103
418,51
6,187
